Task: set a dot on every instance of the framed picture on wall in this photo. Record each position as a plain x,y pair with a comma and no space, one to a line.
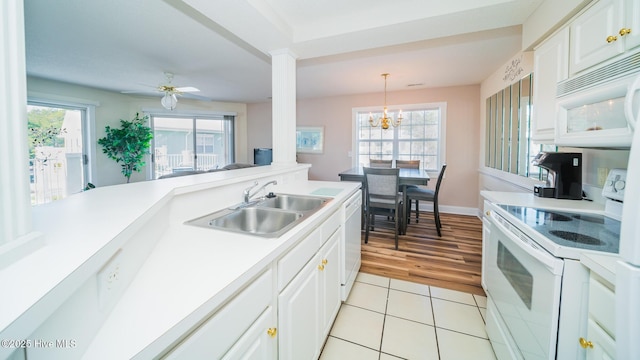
309,139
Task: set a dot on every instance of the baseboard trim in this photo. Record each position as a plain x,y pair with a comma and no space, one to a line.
458,210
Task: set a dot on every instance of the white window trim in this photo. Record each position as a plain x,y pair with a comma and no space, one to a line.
405,107
88,126
193,115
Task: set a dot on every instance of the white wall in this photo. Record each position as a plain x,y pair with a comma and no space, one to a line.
114,106
593,159
490,179
260,128
459,189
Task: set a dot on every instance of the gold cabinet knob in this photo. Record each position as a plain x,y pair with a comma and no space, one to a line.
324,261
320,267
624,31
272,332
488,213
611,38
585,343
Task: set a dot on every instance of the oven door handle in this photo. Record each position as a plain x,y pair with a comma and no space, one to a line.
529,246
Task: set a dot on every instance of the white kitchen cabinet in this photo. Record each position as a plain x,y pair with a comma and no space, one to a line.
632,22
330,284
239,322
308,305
600,346
605,30
550,66
286,313
258,342
298,316
599,343
486,231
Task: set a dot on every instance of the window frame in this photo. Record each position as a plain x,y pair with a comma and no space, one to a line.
406,108
88,111
509,147
193,117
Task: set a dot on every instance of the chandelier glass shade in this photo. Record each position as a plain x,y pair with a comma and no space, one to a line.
386,119
169,100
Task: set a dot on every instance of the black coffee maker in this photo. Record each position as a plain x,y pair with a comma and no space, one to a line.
564,177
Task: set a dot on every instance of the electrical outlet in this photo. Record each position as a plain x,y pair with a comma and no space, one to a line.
602,176
109,279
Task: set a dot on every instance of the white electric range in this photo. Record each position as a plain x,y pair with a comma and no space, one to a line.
535,284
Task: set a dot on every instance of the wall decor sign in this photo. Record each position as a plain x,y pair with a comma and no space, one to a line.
513,70
309,139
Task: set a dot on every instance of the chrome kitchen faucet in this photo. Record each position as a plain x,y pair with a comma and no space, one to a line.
247,192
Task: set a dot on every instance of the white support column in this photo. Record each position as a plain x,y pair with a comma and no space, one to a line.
16,237
283,76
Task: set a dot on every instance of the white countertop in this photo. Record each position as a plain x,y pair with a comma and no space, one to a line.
601,264
190,273
184,271
530,200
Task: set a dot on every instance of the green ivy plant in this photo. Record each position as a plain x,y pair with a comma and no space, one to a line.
128,144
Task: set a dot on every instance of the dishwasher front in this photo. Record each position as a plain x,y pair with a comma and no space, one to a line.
351,242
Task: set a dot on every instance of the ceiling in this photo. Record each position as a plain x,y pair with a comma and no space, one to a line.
222,46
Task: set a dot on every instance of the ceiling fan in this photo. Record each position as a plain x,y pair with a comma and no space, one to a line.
171,92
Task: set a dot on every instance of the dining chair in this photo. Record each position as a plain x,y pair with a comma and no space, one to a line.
421,193
383,198
377,163
408,164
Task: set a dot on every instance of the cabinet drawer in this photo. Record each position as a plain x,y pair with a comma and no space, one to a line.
602,306
290,264
331,225
217,334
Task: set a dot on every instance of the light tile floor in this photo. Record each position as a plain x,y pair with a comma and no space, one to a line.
388,319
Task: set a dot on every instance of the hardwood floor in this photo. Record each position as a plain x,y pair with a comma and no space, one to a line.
452,261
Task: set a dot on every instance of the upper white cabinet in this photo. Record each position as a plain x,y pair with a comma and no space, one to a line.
632,39
607,29
550,65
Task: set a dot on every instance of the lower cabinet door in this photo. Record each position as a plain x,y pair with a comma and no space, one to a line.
330,283
298,318
602,345
259,342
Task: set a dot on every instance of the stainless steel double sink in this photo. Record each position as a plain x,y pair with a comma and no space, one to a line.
267,217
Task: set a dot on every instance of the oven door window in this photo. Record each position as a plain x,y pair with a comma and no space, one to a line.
517,275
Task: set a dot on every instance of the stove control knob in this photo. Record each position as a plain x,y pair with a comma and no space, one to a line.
619,185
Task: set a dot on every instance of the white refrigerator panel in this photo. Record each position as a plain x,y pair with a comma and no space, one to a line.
628,269
630,230
627,311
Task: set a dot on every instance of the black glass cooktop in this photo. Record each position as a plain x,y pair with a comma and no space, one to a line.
578,230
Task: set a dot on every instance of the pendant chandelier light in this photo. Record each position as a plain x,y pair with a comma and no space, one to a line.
386,118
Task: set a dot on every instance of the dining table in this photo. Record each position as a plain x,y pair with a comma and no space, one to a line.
406,177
